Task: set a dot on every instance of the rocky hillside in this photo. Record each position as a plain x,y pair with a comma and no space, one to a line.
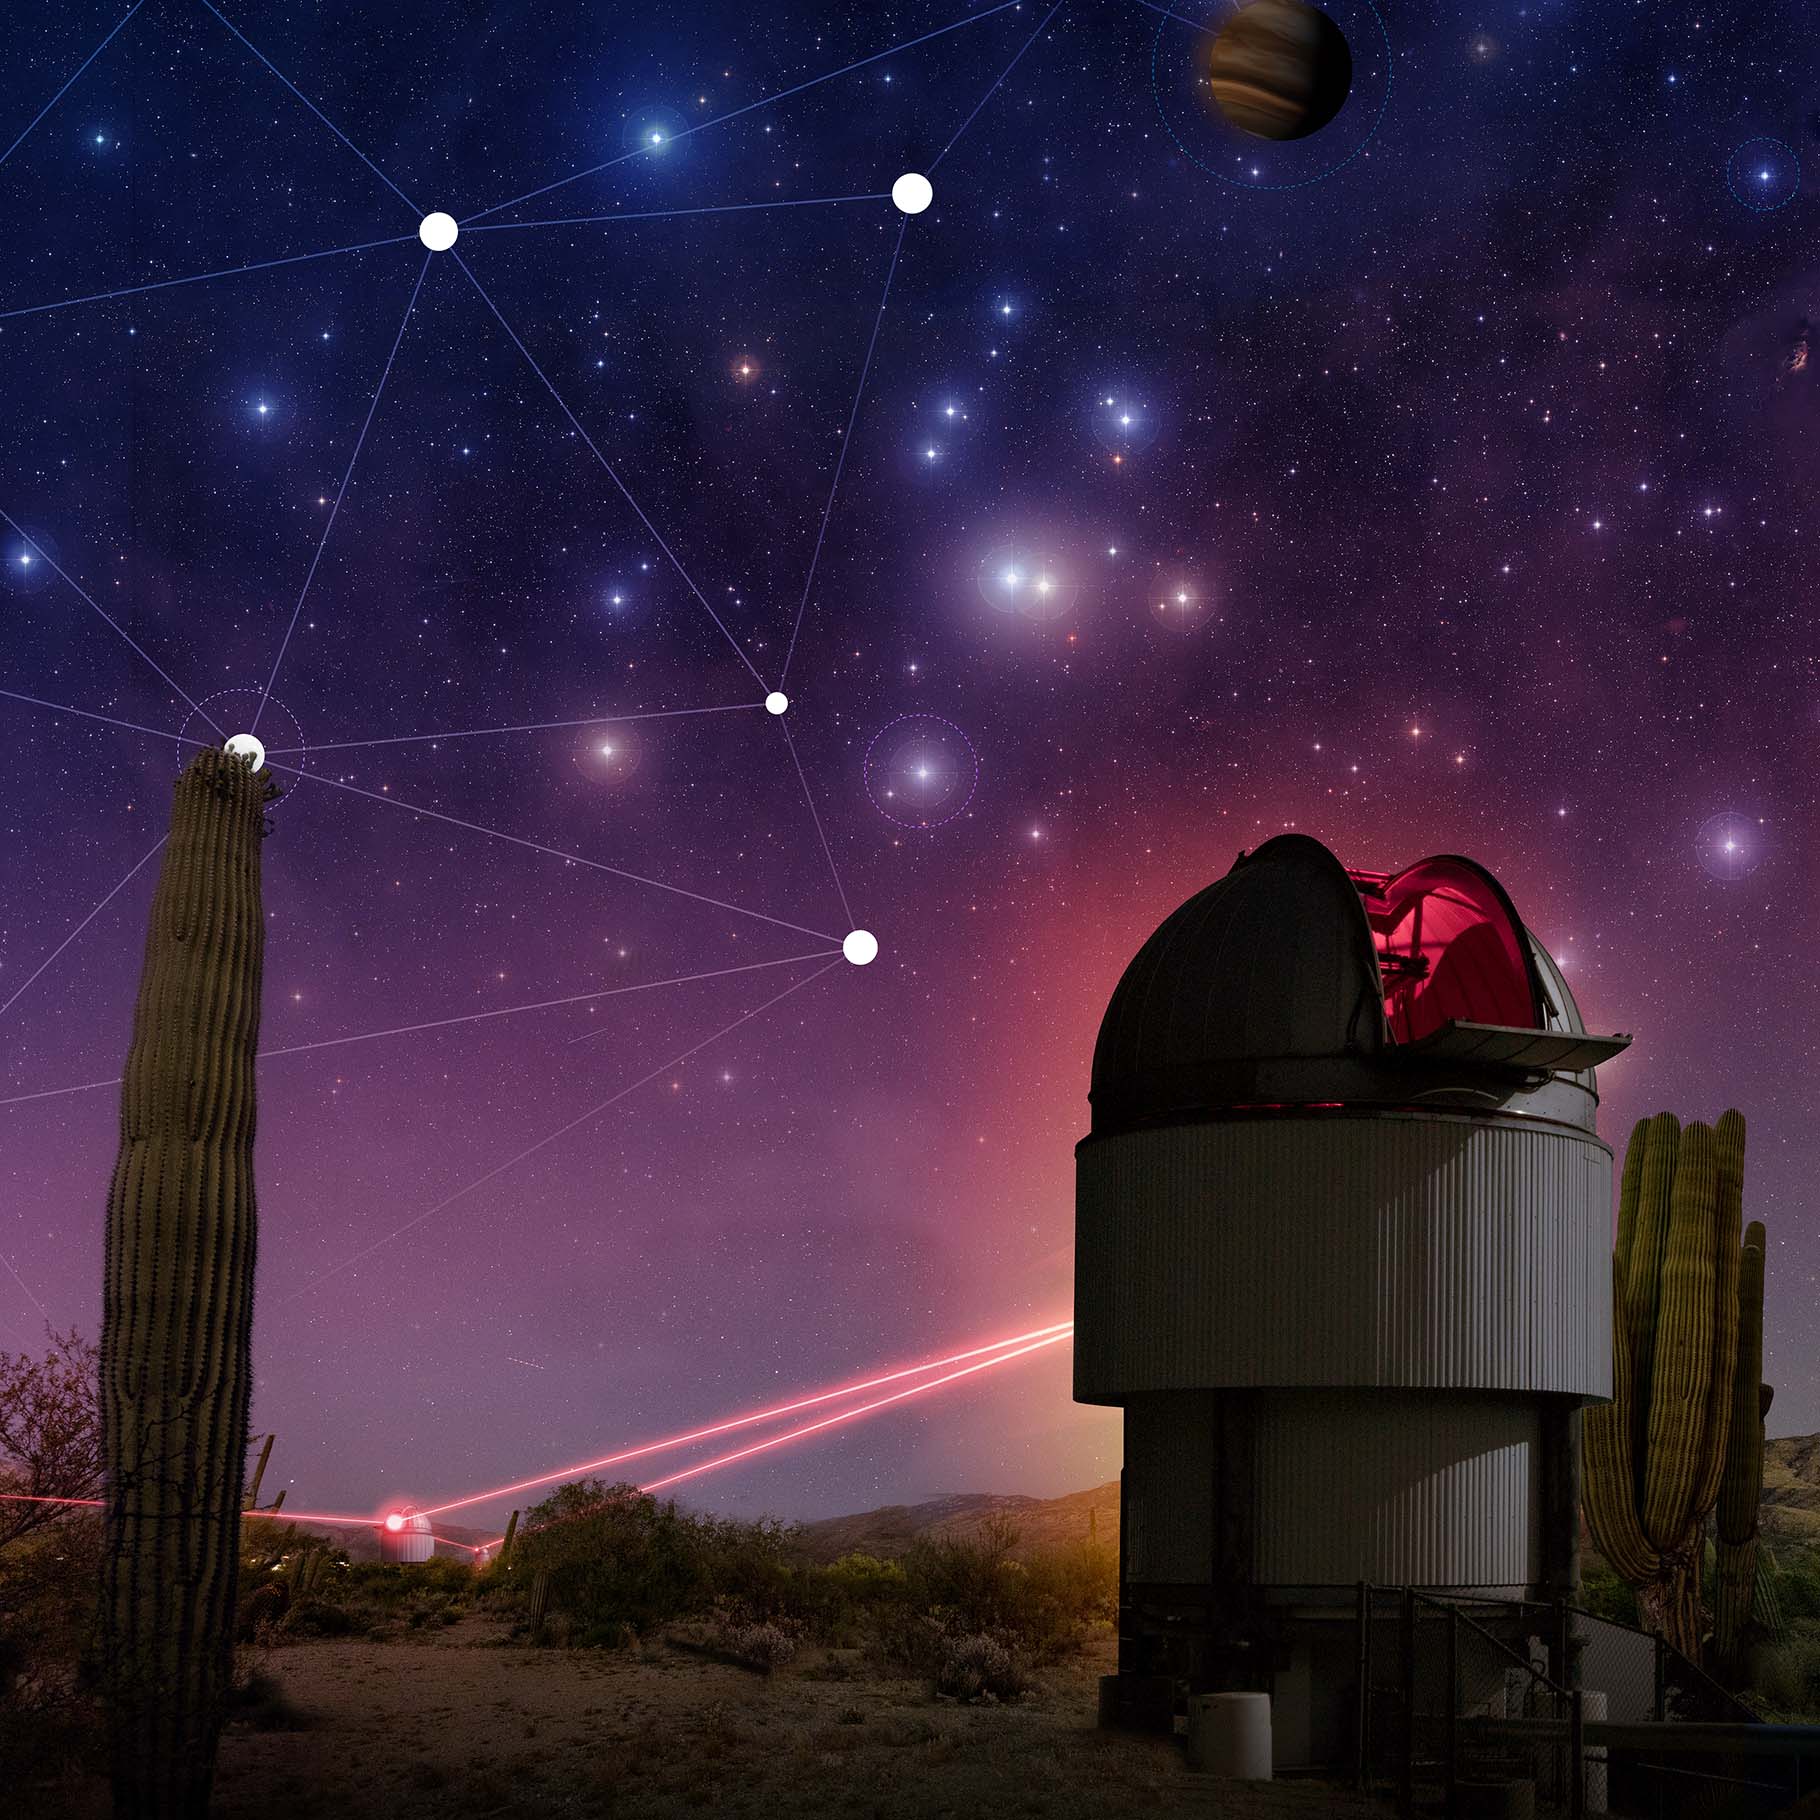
1791,1488
1040,1522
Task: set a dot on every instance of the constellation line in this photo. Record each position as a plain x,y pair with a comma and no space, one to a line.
519,840
782,95
469,1017
612,474
994,89
840,461
86,61
137,866
815,816
724,208
561,1131
538,726
106,719
1197,25
48,557
820,954
423,272
311,105
227,271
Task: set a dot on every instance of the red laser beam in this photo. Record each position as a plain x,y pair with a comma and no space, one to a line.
848,1415
266,1516
845,1415
1057,1330
285,1516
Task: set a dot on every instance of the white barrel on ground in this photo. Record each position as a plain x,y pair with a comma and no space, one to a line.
1229,1735
1595,1706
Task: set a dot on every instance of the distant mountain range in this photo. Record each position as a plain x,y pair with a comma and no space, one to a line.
1791,1513
1040,1522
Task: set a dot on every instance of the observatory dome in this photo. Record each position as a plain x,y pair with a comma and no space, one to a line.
1296,981
405,1539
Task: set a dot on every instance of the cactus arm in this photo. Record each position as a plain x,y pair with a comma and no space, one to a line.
1741,1486
1630,1188
1683,1346
1611,1510
1643,1279
1728,1144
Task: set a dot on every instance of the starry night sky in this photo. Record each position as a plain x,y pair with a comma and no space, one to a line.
1467,505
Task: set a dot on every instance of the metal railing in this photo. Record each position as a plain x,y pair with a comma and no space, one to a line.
1460,1697
1433,1674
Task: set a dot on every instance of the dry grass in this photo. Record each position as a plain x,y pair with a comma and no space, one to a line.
460,1726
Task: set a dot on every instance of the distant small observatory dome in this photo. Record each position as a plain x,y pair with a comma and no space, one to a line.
405,1539
1298,981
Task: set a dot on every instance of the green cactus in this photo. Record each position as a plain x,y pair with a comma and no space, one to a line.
540,1602
1739,1580
505,1546
178,1301
1658,1456
251,1500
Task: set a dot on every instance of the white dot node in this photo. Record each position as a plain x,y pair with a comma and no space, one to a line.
438,231
244,745
776,702
860,947
913,192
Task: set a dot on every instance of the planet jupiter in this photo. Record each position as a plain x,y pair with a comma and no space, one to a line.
1281,69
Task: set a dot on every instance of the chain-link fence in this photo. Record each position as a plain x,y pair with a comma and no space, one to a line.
1440,1681
1480,1708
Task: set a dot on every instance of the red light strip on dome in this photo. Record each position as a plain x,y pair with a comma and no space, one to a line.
1057,1330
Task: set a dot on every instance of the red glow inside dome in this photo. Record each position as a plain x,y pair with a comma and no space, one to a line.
394,1522
1449,946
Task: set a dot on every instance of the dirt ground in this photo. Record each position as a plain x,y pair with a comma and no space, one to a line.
463,1726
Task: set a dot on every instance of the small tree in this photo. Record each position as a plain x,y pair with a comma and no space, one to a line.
50,1433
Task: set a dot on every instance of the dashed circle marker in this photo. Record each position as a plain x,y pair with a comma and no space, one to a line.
244,745
438,231
860,947
776,702
913,192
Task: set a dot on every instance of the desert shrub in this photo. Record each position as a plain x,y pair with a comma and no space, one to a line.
311,1617
261,1608
843,1601
616,1558
1797,1572
48,1719
978,1667
1785,1677
763,1647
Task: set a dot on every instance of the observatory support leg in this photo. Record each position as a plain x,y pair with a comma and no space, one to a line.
1560,1494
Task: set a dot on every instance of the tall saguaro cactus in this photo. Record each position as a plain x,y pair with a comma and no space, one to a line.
178,1301
1658,1453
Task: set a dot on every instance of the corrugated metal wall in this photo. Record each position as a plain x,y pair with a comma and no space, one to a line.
1400,1250
1396,1487
1169,1488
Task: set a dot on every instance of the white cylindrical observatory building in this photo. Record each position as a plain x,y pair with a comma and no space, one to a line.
1343,1256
